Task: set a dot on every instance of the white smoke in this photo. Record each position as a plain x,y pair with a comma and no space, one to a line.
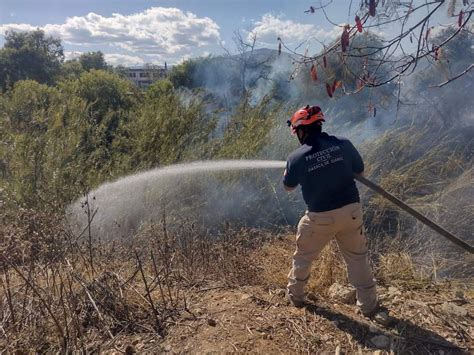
203,190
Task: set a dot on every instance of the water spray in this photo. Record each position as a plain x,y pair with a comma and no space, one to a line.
136,185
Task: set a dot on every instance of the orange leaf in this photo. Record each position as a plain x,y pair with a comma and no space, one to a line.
314,73
335,85
358,23
329,90
344,40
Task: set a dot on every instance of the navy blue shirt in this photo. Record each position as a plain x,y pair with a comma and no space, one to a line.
324,167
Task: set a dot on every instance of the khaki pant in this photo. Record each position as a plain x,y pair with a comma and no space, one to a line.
315,230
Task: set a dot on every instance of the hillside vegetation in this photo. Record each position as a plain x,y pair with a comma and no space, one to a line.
204,275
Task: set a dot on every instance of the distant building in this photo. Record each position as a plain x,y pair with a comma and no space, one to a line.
144,76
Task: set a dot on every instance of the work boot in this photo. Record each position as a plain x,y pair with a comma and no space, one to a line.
297,302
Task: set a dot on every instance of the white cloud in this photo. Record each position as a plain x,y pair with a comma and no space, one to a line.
270,27
123,59
18,27
69,55
156,31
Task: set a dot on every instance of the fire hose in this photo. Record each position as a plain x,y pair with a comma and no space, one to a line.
423,219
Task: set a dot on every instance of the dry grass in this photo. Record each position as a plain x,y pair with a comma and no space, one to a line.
162,287
396,267
431,170
83,297
274,260
328,269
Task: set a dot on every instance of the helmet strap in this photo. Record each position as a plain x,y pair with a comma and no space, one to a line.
302,134
305,132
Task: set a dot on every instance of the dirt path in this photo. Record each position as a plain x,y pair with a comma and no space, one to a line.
254,319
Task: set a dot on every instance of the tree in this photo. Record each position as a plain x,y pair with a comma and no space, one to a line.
182,74
26,111
109,101
339,79
445,98
399,54
166,130
248,129
105,93
159,88
30,55
251,68
93,60
71,69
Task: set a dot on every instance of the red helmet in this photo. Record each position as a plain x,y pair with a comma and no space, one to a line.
306,116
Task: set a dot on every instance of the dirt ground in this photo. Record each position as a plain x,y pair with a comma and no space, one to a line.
428,318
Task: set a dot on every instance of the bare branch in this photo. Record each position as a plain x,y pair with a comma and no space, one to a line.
454,77
390,59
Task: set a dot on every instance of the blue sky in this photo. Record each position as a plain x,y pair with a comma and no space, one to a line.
136,31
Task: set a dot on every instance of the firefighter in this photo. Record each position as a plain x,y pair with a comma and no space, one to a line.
324,166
